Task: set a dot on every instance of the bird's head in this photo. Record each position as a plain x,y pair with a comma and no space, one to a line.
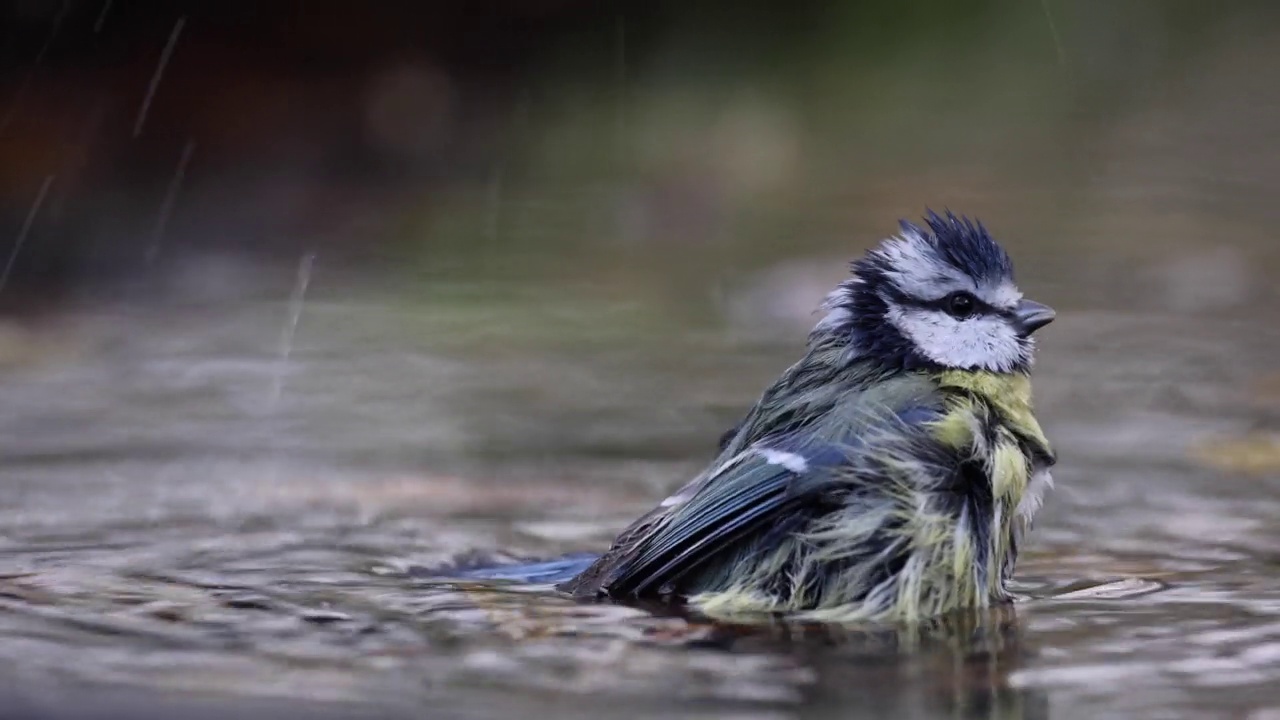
942,296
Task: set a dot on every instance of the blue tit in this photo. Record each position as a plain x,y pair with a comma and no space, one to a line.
889,475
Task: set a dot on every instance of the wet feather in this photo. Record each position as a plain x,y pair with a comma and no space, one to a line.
877,478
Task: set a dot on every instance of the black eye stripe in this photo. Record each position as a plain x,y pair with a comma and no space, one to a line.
980,307
944,303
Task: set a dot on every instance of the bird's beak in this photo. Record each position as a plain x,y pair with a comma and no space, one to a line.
1030,316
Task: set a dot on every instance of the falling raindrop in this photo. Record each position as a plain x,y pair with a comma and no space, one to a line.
1053,30
26,228
296,301
170,197
284,350
155,79
102,17
21,94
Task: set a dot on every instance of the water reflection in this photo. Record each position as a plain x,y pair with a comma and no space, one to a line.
958,666
1093,643
953,667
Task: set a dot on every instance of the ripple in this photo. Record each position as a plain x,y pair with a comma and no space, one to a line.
165,531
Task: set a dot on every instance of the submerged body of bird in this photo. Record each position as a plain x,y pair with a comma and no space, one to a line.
889,474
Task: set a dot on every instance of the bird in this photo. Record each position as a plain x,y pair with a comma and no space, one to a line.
890,474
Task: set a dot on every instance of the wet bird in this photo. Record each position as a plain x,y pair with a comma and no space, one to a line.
890,474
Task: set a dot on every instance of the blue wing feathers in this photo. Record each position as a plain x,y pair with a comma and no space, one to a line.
712,520
723,535
744,498
919,415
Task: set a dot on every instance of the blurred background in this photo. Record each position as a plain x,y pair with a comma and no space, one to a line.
301,301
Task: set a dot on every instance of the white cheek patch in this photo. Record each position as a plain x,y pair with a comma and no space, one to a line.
978,342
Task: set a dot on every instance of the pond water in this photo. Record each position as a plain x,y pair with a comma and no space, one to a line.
232,501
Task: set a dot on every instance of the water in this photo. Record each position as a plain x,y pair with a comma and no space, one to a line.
182,528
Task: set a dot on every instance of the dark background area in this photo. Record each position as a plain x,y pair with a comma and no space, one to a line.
384,130
307,115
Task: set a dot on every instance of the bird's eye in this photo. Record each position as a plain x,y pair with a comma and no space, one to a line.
960,304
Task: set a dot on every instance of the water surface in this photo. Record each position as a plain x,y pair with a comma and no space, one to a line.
206,503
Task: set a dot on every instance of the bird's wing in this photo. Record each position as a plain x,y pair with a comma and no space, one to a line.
760,487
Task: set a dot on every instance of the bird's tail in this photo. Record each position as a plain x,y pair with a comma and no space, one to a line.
546,571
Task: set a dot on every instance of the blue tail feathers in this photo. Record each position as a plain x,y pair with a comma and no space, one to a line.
548,571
